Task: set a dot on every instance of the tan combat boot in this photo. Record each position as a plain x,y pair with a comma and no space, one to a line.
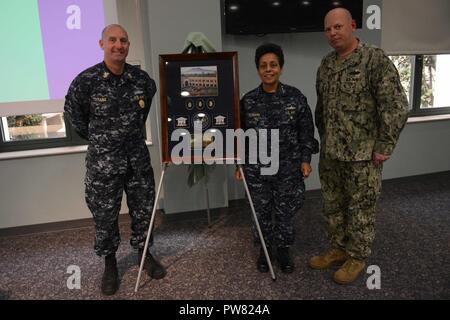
349,271
333,255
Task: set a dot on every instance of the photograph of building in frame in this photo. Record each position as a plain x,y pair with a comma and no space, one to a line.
199,81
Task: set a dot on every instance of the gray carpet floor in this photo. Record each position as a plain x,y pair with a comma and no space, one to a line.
412,250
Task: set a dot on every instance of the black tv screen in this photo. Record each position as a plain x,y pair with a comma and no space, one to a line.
282,16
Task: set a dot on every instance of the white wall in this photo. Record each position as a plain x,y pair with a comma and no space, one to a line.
41,190
423,148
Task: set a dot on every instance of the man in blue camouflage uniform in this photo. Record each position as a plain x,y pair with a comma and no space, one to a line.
274,105
108,105
361,110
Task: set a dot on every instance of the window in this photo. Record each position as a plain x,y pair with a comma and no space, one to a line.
425,79
34,126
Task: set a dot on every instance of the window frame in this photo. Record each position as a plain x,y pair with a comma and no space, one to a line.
71,139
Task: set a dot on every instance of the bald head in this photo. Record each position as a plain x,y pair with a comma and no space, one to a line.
341,13
112,26
115,46
339,27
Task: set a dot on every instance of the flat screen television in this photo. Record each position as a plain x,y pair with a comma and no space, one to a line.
283,16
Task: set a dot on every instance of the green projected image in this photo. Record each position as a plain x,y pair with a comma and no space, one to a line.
23,76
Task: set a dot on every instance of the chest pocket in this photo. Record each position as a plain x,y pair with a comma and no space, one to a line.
137,106
289,115
324,85
328,88
252,120
138,100
354,91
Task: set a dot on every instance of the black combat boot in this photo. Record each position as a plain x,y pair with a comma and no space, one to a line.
284,259
153,267
110,279
262,264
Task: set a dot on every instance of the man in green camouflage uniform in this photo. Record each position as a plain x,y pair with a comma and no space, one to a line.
108,105
361,110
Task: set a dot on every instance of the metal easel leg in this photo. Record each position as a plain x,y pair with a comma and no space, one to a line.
207,203
261,238
155,204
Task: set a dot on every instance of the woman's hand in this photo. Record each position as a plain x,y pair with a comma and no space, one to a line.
305,169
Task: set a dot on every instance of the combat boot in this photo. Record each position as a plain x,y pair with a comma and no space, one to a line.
110,279
153,267
285,260
261,263
349,271
333,255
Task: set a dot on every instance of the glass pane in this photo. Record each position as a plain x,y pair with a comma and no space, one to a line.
34,126
404,67
435,79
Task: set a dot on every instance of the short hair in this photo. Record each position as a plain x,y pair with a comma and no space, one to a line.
114,25
269,48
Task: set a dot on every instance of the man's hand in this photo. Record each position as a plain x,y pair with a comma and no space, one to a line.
378,158
306,169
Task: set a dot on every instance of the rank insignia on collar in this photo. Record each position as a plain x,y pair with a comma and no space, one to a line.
141,103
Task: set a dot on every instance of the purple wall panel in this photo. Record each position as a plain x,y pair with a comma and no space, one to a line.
70,51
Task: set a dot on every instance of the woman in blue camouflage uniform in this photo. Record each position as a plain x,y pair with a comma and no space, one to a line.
274,105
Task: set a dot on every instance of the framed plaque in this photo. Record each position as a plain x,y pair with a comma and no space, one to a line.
197,91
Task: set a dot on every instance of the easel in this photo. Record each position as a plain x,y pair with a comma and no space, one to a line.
150,227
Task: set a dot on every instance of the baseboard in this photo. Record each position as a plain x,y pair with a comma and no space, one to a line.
89,222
